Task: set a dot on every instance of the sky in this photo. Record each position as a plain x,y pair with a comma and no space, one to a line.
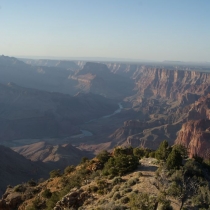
153,30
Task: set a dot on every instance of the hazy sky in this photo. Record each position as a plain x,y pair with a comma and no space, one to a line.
132,29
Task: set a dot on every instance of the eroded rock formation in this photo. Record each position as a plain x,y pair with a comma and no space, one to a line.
195,135
172,84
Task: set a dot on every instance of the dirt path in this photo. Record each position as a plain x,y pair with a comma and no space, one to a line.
148,168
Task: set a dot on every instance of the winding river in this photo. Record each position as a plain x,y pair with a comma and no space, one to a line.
88,133
115,112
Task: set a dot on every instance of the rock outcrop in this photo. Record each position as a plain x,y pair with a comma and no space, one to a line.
163,121
74,199
172,84
198,109
11,201
195,135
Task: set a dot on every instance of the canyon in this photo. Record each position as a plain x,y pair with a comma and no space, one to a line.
45,105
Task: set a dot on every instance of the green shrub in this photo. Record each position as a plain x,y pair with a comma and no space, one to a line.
84,160
152,154
20,188
175,190
53,200
193,168
93,188
132,181
120,165
198,158
47,193
32,183
124,200
141,201
110,195
102,186
83,172
95,174
55,173
125,190
202,198
139,152
69,169
117,180
163,151
122,151
116,196
116,188
31,208
103,156
174,160
36,204
73,181
181,149
164,204
36,190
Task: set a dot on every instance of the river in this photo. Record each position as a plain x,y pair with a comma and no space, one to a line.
115,112
88,133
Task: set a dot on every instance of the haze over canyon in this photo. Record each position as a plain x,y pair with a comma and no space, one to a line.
54,112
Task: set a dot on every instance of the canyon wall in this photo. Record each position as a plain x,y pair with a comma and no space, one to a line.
195,135
172,84
164,123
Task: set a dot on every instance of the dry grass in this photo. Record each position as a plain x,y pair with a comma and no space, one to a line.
118,194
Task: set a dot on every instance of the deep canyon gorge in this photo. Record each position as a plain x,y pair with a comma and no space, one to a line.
48,106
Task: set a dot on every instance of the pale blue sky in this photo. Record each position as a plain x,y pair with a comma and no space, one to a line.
132,29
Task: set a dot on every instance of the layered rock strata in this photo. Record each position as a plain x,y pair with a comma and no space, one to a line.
195,136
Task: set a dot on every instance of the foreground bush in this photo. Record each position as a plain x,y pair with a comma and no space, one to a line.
120,165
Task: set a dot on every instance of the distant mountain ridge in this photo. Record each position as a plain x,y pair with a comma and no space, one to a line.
98,79
56,156
16,169
31,113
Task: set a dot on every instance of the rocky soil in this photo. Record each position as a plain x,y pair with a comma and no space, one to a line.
144,178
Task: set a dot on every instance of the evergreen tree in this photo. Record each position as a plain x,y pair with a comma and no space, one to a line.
163,151
174,160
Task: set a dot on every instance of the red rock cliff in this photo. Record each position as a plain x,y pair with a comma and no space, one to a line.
195,135
172,83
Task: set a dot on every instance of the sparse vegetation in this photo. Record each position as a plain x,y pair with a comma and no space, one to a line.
47,193
132,182
177,178
20,188
116,196
103,156
84,160
55,173
69,169
142,201
124,200
32,183
117,180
